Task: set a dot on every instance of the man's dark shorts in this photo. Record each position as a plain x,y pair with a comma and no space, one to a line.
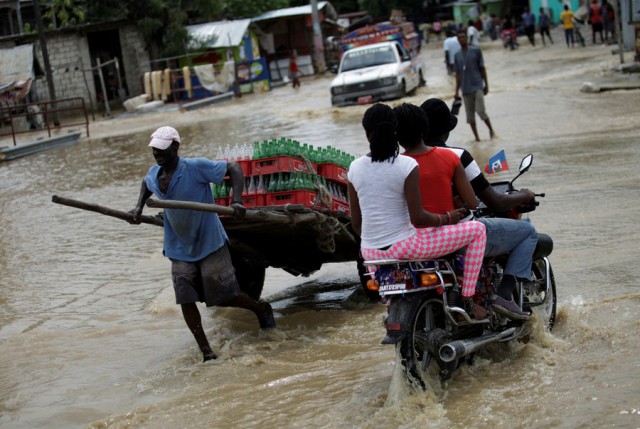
211,280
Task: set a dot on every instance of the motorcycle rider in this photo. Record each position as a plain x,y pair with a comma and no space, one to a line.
515,237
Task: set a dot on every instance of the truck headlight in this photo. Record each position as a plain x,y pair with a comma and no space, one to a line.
389,81
336,90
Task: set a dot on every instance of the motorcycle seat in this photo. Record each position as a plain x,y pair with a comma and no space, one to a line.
544,246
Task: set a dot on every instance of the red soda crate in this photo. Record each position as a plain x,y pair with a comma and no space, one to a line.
304,197
255,200
339,206
281,164
245,164
249,200
333,172
224,201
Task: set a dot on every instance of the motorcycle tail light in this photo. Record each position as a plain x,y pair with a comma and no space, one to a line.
428,279
372,284
440,290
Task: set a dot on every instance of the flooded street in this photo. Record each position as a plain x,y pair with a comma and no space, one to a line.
91,336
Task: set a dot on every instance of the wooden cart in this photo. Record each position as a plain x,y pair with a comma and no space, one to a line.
295,238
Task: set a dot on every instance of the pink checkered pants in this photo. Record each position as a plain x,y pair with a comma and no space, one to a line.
435,242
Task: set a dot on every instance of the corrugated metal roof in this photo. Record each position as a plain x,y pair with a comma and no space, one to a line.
291,11
221,34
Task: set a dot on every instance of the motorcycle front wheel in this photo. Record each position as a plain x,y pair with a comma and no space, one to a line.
418,351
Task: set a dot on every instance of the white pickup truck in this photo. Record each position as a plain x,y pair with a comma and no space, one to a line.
380,71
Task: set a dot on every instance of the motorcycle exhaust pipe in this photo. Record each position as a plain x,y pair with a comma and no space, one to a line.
457,349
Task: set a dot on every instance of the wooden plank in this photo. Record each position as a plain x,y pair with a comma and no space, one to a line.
251,215
152,220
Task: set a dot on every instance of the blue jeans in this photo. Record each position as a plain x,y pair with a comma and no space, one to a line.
516,237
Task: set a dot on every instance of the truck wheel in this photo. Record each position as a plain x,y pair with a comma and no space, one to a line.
249,273
423,82
403,91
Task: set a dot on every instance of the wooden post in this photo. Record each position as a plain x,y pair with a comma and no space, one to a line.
45,58
86,85
120,88
104,89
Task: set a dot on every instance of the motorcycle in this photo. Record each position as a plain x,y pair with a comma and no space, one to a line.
426,320
510,39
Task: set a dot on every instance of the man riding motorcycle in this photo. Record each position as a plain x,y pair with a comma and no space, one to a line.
515,237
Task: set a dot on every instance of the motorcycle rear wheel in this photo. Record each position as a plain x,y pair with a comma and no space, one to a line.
420,364
549,307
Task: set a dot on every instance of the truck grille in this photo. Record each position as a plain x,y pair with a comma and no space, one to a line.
361,86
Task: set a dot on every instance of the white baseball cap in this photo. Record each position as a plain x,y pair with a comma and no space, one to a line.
163,137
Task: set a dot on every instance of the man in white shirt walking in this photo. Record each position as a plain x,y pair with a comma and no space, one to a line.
451,48
473,35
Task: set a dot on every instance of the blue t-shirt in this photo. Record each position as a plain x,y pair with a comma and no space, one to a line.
529,19
468,64
190,235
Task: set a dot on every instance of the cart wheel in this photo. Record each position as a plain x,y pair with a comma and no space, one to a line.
249,273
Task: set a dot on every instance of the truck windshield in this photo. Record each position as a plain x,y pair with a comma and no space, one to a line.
368,58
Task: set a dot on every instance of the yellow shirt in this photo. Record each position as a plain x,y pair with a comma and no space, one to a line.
567,19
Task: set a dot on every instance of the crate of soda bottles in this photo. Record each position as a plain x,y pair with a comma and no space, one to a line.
287,155
340,207
284,171
333,172
254,200
281,156
282,164
301,196
240,154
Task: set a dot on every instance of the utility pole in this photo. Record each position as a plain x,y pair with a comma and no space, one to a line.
318,43
19,16
616,22
45,58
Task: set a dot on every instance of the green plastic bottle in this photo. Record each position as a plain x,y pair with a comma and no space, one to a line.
223,192
257,153
273,179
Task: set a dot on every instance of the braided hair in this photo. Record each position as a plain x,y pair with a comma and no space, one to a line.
379,122
413,125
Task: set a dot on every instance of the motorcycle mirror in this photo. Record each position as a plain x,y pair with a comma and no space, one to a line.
524,166
526,163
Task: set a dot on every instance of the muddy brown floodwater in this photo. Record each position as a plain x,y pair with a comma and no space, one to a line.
91,337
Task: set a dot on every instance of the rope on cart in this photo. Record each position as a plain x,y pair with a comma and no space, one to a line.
326,232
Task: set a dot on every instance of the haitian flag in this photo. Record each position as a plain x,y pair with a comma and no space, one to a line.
497,163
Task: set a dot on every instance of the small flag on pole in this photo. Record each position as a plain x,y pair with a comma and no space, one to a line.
497,163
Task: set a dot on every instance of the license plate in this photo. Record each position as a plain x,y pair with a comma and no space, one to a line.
392,287
367,99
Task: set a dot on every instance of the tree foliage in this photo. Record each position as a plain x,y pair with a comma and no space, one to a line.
65,13
382,8
162,22
237,9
